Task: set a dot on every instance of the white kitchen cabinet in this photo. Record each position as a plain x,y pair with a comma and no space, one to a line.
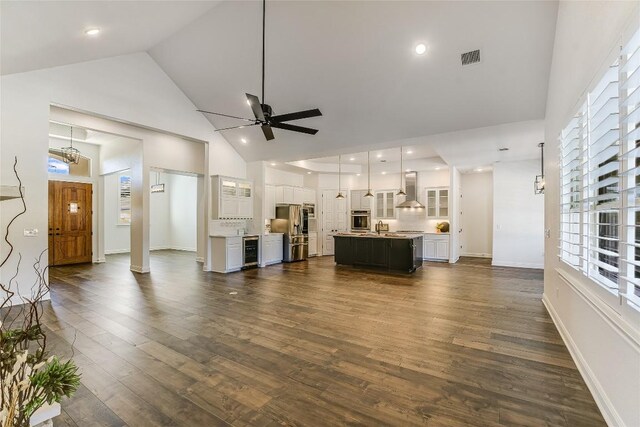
359,202
226,253
295,195
437,202
231,198
436,246
309,196
270,201
385,204
271,249
313,244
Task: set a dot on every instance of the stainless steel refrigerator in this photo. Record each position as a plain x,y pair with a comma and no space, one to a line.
292,220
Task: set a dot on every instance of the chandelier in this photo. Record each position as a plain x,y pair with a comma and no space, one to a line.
70,154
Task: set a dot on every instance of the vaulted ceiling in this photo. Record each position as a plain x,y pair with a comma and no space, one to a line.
353,60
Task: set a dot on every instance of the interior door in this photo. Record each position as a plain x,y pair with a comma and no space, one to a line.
328,226
69,222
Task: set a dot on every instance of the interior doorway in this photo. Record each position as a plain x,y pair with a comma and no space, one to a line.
70,223
173,213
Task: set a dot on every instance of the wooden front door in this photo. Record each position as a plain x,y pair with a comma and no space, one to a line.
69,223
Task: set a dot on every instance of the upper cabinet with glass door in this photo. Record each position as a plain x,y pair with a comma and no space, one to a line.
231,198
437,202
385,204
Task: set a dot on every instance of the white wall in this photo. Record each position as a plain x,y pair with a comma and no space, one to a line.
182,212
518,215
275,176
477,214
600,330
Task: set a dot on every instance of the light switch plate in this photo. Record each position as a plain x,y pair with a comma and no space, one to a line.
547,232
30,232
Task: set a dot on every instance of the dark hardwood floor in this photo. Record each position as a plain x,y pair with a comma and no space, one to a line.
310,344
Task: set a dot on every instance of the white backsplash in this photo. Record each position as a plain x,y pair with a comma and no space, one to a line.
227,227
411,219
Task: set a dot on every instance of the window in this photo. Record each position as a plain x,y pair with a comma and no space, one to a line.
124,198
599,182
56,165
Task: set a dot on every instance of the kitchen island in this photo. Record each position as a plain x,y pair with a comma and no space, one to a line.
388,251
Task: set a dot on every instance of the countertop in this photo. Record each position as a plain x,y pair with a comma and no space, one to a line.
385,235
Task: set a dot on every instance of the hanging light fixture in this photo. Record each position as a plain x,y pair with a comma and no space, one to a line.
70,154
538,184
369,193
401,191
157,187
339,196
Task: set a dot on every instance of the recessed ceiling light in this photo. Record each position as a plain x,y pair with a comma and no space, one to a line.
309,173
248,102
244,140
409,152
352,158
421,48
407,170
384,173
438,168
479,170
357,174
92,31
378,155
273,164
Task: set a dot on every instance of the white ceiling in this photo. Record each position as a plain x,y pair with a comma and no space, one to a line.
355,61
43,34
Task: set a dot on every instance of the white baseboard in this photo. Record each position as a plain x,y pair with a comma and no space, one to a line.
174,248
498,263
139,269
116,251
100,260
599,395
476,255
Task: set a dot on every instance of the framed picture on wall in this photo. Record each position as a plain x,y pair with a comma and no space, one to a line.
124,198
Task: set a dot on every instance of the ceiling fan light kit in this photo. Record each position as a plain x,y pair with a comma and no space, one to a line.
263,112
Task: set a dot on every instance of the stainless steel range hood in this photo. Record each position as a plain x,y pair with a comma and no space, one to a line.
410,179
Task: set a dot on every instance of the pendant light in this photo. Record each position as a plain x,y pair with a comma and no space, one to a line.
538,184
401,191
369,193
157,187
70,154
340,196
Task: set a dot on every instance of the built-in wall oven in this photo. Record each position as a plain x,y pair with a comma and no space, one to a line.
250,245
311,209
361,220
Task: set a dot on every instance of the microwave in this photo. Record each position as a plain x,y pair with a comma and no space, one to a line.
311,209
361,220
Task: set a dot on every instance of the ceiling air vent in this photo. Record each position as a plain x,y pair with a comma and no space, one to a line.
469,58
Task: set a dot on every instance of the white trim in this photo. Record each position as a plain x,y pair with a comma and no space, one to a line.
100,260
117,251
199,259
476,255
604,310
607,409
498,263
139,269
174,248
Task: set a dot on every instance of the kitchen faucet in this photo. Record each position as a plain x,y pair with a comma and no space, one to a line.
379,226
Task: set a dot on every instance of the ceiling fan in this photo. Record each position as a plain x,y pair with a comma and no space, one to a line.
264,113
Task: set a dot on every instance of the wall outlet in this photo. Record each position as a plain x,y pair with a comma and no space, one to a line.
30,232
547,232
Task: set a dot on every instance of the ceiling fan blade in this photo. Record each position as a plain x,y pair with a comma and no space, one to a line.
268,132
294,128
254,102
235,127
226,115
297,116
